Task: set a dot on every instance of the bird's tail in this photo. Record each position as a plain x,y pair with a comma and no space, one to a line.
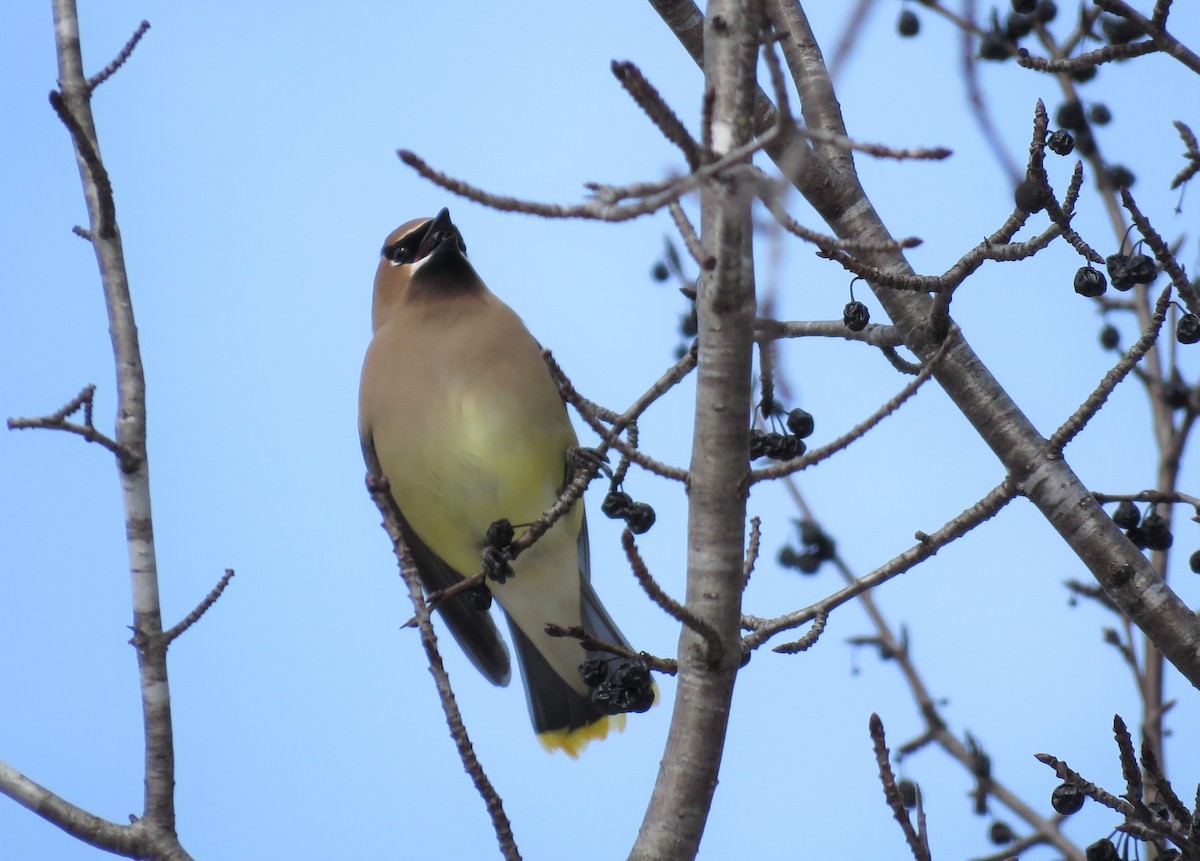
564,718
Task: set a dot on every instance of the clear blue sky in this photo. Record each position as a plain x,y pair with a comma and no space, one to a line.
252,151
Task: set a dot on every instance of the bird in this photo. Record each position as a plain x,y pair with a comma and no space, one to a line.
459,412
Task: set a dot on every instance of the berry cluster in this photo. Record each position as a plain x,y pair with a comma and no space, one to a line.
783,446
1147,533
817,547
497,560
618,504
625,687
1126,270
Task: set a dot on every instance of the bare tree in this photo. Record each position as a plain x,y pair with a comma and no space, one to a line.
737,420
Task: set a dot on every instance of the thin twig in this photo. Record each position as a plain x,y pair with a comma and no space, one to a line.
917,843
201,608
458,731
716,649
119,60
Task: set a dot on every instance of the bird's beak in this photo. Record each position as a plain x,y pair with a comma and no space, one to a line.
440,231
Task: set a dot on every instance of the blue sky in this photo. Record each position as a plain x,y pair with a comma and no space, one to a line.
252,151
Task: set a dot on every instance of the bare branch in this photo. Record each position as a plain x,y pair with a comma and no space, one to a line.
458,731
201,608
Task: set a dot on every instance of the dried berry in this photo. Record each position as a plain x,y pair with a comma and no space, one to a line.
1082,76
1100,114
1127,515
1119,31
856,316
1067,798
1156,534
1194,562
908,24
1175,392
1017,26
1089,282
639,517
478,597
615,504
1187,331
1101,850
594,670
1141,269
1085,141
993,45
660,272
689,324
1024,7
1120,176
500,534
1118,271
908,793
1001,833
1046,11
1060,142
800,423
1031,195
1070,115
1110,338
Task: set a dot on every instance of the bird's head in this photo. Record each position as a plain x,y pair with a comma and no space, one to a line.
422,259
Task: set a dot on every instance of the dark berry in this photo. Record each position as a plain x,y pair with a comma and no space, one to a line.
1156,534
757,441
1017,26
909,24
1090,282
1194,562
808,563
1070,115
1110,338
1000,833
788,448
1119,31
800,423
1187,331
1101,850
1067,798
1175,391
497,564
1082,76
478,597
1120,176
810,532
1024,7
1118,271
993,46
689,324
500,534
615,504
1046,11
594,670
1127,515
908,793
1142,269
1085,141
1060,142
789,558
1100,114
856,316
1031,195
660,272
639,517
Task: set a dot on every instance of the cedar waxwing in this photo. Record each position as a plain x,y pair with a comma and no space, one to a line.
458,410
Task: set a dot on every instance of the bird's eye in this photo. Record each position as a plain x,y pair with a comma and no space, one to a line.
400,252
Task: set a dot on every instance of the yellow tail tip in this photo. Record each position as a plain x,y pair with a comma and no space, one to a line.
573,741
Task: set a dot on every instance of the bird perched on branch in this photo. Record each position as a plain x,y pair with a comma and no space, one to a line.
458,410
